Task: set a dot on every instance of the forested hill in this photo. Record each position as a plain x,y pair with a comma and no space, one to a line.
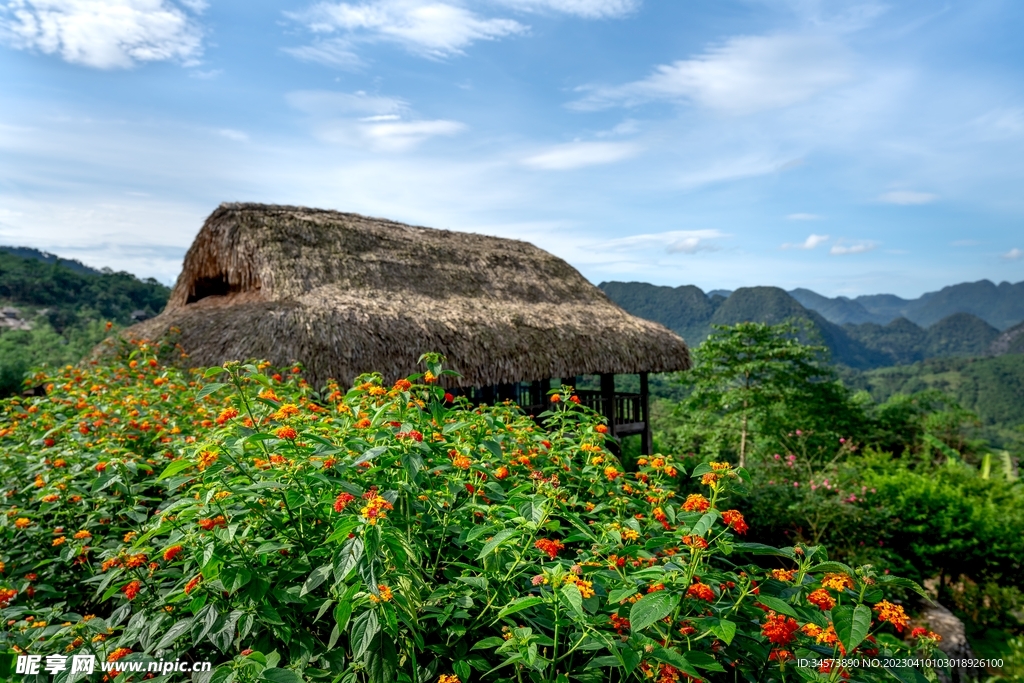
55,311
859,343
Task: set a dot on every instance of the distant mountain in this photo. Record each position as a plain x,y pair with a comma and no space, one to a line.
1001,306
1010,341
691,313
839,310
47,257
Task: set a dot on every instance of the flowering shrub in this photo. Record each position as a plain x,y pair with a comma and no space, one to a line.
394,532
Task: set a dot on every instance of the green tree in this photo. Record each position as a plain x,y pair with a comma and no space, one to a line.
757,385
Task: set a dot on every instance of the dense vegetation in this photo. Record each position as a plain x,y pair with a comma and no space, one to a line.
66,307
907,482
394,533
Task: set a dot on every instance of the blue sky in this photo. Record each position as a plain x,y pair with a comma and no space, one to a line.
848,147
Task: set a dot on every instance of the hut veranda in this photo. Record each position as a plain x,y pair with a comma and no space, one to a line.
345,294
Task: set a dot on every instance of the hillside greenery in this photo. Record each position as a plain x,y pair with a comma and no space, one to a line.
67,310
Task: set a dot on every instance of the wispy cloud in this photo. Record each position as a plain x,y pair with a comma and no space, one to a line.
105,34
811,242
374,121
803,217
672,242
745,74
424,27
588,9
1013,254
861,247
236,135
907,197
580,154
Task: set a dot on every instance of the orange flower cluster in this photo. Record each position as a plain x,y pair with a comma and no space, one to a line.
501,472
119,653
926,634
620,624
403,385
611,473
701,591
734,519
837,582
894,614
821,598
342,501
211,524
783,574
586,588
193,582
286,433
206,458
6,595
131,589
172,552
698,542
549,546
375,509
226,415
779,629
696,503
448,678
384,594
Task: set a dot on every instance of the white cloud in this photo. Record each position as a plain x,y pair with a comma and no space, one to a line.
425,27
907,197
376,122
1013,254
1001,123
861,247
579,154
803,217
673,242
811,242
588,9
231,134
104,34
746,74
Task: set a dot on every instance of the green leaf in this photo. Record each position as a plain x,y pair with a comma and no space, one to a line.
519,605
533,509
498,539
852,624
316,577
832,567
651,608
488,643
570,594
175,467
780,606
674,658
180,627
494,448
209,389
364,628
475,581
762,549
704,523
703,660
700,470
281,676
620,594
725,630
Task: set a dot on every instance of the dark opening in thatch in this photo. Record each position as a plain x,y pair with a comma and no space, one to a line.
346,294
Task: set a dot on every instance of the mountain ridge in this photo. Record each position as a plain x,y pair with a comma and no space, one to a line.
859,341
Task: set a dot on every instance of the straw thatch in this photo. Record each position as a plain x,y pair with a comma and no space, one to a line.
346,294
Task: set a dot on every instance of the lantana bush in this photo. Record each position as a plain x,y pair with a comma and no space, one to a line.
394,532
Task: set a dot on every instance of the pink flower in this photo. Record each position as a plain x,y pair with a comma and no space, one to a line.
777,456
796,483
537,580
799,433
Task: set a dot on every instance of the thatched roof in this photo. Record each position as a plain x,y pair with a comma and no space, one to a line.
346,294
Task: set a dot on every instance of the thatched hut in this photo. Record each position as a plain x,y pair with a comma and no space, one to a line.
346,294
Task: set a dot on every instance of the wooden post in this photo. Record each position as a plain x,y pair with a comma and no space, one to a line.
646,442
608,400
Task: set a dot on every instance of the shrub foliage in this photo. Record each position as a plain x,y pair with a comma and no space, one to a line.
394,532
